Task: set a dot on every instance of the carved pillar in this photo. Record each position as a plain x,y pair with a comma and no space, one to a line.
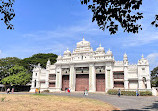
72,78
58,79
47,79
92,78
126,82
108,77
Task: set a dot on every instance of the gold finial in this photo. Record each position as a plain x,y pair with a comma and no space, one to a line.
142,56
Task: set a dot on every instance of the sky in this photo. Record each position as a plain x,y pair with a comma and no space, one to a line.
52,26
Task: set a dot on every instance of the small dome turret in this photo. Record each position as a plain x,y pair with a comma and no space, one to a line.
125,55
67,52
83,43
100,49
109,52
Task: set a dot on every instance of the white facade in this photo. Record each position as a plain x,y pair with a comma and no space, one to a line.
103,71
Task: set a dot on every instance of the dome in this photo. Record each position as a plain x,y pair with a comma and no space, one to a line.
109,52
100,49
83,43
67,52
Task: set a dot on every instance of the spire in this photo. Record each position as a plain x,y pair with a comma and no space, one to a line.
142,56
39,65
48,62
125,55
83,39
100,45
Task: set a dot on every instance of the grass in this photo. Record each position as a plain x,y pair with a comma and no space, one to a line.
41,102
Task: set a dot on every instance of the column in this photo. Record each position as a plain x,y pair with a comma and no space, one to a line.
72,78
92,78
126,82
58,79
108,77
148,84
47,79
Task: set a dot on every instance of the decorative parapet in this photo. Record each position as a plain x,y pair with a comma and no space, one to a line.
132,68
118,63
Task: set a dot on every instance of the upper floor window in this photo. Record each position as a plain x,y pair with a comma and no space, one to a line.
52,76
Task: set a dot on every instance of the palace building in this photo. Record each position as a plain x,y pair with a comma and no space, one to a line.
95,71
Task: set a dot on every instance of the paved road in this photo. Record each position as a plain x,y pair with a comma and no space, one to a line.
140,103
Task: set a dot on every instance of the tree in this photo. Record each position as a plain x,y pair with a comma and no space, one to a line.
41,58
154,77
18,76
6,64
109,13
7,12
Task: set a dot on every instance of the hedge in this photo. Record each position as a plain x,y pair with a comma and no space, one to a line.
112,92
129,93
145,93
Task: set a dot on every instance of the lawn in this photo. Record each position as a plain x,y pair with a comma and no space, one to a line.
12,102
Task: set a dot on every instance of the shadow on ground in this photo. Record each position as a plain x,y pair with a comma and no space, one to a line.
154,107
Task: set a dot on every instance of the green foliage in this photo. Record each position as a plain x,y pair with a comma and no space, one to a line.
128,93
41,58
110,14
112,92
15,71
154,77
19,76
145,93
6,64
2,99
7,12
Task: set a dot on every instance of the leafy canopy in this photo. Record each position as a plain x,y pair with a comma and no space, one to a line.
109,14
7,12
18,76
154,77
41,58
6,64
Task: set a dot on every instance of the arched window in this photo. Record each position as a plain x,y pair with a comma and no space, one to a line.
35,84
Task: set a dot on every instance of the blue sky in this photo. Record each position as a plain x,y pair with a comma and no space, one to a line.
52,26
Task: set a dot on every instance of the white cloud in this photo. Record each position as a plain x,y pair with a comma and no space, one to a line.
85,27
153,60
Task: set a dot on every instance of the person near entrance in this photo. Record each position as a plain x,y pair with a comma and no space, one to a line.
86,92
119,93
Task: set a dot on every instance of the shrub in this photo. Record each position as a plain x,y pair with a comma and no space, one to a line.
145,93
45,91
2,99
128,93
112,92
